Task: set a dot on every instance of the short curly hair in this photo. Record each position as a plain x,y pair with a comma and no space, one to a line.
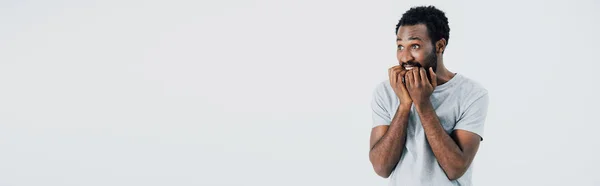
435,20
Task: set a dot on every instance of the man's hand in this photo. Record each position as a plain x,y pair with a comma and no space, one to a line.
396,73
418,85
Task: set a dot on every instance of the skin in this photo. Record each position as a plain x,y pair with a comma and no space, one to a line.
454,152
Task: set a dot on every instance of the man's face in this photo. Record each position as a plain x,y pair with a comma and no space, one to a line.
415,48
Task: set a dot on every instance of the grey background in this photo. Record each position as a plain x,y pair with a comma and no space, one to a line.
267,92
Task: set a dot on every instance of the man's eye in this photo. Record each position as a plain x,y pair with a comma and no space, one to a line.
400,47
416,46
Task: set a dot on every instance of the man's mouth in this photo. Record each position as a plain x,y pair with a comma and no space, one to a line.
408,67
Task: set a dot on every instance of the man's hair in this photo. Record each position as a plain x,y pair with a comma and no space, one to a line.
435,20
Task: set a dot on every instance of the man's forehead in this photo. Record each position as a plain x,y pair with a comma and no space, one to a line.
412,31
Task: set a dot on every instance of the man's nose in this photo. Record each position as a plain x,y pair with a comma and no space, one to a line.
406,56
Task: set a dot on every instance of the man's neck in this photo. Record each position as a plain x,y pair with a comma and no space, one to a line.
443,75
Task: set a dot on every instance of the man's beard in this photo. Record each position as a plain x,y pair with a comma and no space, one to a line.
431,61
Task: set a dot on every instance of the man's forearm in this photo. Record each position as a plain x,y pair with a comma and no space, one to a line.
386,153
446,150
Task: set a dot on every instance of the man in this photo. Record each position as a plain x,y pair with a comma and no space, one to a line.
427,121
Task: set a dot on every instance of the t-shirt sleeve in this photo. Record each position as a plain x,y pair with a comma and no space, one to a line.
379,107
473,118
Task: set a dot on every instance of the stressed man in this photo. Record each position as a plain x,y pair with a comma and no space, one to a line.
427,121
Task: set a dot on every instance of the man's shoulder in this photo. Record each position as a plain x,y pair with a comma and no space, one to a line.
471,89
384,92
472,86
383,86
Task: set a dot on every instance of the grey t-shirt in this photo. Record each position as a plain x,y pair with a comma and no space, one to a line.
459,103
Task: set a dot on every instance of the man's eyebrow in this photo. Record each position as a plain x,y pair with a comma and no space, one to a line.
410,38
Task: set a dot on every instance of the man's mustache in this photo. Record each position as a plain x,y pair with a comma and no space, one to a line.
411,63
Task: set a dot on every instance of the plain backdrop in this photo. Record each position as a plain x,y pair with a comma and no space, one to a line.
272,92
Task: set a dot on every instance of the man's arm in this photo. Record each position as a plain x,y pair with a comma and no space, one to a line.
454,154
387,142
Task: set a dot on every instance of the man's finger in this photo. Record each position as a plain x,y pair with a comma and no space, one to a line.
408,78
392,70
401,77
416,76
392,76
423,74
433,77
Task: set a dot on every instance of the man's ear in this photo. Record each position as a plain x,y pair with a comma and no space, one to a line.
440,45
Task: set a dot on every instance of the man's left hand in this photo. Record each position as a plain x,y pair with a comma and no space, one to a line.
419,86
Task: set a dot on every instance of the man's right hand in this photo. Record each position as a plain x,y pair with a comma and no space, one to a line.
396,74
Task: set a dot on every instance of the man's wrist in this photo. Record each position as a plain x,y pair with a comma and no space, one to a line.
404,106
423,106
